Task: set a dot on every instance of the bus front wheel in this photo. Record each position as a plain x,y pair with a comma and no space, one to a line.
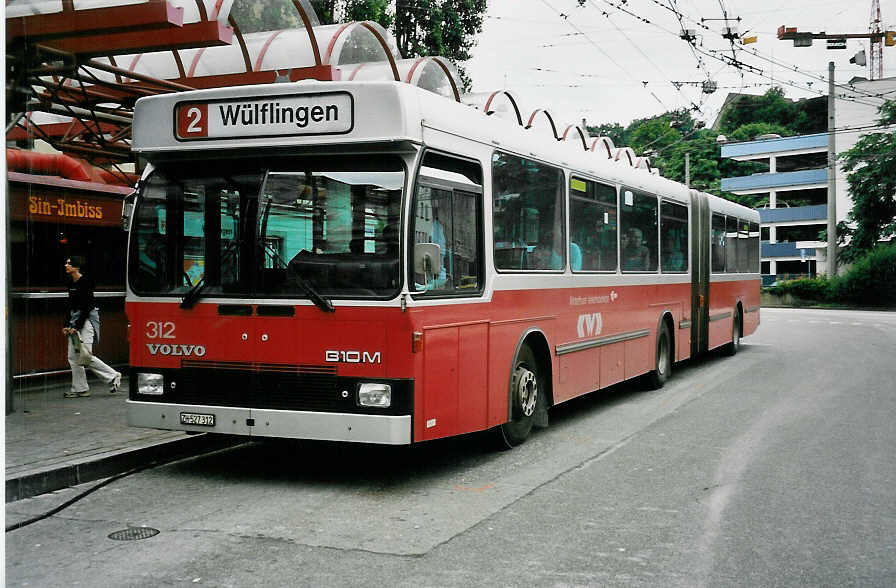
527,390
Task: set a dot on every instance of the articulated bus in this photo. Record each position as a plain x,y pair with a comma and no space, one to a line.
371,262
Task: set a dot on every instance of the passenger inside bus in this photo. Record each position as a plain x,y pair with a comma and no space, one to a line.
438,237
635,255
545,255
673,256
575,256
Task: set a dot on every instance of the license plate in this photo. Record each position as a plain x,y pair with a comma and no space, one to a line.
193,418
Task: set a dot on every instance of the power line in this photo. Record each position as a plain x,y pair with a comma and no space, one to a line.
647,57
599,48
735,62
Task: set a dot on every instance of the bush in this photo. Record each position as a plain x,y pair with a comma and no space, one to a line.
871,280
816,289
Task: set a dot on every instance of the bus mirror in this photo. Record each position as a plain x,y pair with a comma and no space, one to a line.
427,259
127,209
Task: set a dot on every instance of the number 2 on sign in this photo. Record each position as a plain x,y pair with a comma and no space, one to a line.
194,116
159,330
192,120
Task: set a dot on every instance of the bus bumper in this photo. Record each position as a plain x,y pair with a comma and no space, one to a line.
323,426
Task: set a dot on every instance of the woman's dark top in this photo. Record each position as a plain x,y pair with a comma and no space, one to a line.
80,302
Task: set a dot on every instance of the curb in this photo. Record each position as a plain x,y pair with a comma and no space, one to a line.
36,483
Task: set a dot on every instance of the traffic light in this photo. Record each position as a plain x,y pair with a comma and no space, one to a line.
890,38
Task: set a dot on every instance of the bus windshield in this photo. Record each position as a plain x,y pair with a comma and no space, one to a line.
297,228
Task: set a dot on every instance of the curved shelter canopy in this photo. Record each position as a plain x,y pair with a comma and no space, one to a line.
270,56
90,60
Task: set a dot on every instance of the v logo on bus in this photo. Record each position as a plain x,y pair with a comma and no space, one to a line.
590,324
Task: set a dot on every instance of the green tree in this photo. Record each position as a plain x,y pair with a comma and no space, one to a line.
652,135
445,28
803,117
439,27
353,11
615,132
871,175
268,15
704,154
749,131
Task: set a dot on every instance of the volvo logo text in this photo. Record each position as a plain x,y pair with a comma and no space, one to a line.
181,350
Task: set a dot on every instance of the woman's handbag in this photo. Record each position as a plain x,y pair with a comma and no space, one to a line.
82,354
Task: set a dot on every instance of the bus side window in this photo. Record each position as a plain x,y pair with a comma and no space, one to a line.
527,214
447,212
743,251
753,248
592,226
717,239
638,250
673,237
731,245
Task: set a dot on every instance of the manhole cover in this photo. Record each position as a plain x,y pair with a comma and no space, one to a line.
134,533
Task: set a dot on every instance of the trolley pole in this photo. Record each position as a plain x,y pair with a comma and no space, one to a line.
832,178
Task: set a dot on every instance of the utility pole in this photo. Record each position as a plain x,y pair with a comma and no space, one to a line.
687,169
832,178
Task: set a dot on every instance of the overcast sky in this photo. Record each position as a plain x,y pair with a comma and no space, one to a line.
592,62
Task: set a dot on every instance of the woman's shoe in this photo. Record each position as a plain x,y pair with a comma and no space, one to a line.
115,384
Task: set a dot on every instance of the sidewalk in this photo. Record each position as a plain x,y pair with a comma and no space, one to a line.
54,442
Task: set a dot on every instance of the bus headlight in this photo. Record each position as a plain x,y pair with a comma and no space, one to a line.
378,395
150,384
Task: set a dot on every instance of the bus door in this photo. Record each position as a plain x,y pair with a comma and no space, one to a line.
447,222
699,273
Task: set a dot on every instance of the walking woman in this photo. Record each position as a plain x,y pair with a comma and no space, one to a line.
84,319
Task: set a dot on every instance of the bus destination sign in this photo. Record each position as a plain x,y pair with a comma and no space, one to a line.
306,114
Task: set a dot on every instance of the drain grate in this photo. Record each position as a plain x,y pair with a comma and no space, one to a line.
134,534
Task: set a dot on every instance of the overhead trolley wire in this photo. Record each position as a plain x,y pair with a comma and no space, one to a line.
647,57
673,7
734,61
600,49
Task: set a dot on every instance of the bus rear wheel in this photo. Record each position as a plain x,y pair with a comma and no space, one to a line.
733,347
527,390
663,368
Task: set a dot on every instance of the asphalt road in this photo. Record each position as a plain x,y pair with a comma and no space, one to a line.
772,468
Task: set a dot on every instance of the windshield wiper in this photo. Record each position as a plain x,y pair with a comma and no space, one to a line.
192,295
321,302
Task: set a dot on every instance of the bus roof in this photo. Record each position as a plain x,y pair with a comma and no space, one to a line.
310,113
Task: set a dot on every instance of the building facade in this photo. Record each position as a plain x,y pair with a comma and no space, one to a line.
794,190
50,219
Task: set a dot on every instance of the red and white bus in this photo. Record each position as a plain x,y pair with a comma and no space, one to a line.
371,262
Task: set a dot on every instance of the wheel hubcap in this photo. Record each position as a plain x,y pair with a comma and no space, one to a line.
663,363
526,390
